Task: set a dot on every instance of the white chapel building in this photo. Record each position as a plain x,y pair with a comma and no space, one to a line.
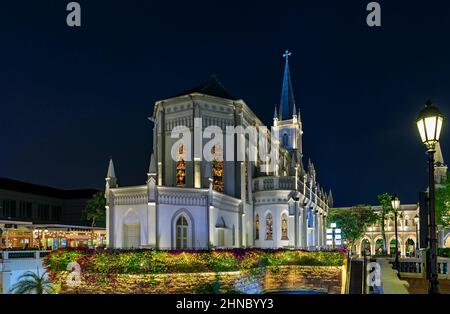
190,203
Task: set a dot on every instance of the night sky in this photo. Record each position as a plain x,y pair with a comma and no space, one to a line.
72,97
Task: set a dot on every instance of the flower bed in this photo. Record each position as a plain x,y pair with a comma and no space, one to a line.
163,262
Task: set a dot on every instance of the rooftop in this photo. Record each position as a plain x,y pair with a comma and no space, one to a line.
35,189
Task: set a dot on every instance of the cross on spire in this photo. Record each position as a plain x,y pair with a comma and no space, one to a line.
287,103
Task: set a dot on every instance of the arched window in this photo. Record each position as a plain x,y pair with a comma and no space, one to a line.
257,227
285,140
182,233
284,227
310,218
365,246
234,235
269,227
217,169
181,167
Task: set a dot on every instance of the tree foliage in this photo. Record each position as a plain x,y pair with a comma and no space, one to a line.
386,211
353,221
95,210
443,203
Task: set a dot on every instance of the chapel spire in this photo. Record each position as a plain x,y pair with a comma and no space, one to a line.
287,102
440,168
111,173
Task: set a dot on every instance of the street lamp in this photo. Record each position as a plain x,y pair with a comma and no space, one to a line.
416,222
396,205
429,122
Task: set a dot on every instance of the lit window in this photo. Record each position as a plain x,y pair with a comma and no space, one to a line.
257,227
181,167
269,227
217,169
284,227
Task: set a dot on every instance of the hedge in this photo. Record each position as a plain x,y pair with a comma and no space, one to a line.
444,252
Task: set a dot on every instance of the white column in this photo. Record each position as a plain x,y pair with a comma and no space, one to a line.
6,282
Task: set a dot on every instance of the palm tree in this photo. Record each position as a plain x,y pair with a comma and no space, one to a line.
31,282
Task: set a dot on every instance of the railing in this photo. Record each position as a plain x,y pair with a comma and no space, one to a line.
5,255
411,265
417,265
286,183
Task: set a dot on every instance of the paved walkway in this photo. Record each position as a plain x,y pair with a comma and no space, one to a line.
391,283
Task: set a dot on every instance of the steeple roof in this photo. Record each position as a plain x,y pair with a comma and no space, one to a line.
213,87
111,172
152,166
439,159
287,102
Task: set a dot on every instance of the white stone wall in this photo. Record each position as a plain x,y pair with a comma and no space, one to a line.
196,217
276,210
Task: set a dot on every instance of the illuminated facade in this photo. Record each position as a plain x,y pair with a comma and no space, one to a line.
189,202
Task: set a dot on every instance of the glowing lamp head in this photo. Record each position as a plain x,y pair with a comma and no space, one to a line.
429,122
416,219
395,202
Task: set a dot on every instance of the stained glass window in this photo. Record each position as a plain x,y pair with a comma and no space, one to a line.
257,227
284,227
181,167
269,227
217,169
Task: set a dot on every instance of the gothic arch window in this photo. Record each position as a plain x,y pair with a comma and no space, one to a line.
217,168
269,227
181,167
310,218
284,227
257,227
234,235
285,140
182,229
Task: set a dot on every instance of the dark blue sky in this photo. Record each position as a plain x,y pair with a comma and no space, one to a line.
70,98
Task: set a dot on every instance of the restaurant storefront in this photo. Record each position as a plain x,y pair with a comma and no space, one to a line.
23,235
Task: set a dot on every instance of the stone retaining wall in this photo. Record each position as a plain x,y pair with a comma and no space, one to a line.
323,278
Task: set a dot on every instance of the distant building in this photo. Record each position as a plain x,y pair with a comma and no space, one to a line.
406,229
33,215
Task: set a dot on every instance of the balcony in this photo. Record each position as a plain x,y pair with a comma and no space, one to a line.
271,183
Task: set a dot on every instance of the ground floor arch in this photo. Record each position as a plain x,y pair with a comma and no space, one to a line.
410,248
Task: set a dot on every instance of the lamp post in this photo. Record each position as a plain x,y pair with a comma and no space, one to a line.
396,205
429,123
416,222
